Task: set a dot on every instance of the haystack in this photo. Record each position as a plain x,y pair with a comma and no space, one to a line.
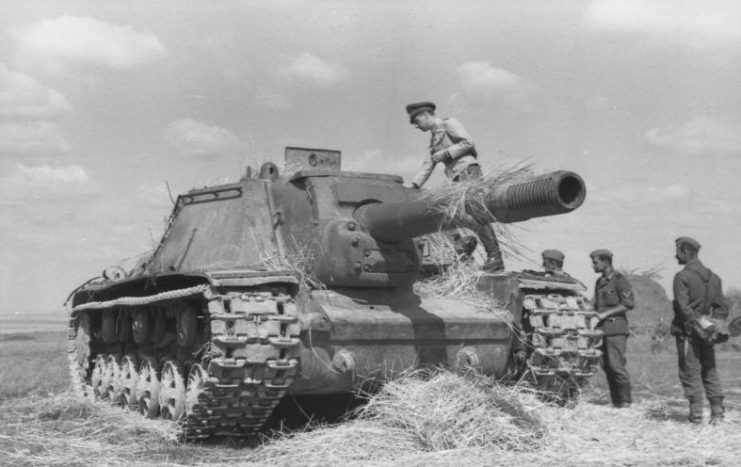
652,303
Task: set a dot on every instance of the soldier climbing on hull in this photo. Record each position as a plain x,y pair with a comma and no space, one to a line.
451,145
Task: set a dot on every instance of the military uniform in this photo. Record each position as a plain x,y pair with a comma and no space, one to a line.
610,292
697,367
451,140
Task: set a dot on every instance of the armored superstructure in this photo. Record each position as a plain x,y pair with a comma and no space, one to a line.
301,280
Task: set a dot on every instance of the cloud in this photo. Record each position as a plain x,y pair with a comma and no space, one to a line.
73,174
701,135
483,80
54,43
21,96
32,139
199,139
313,70
26,184
694,24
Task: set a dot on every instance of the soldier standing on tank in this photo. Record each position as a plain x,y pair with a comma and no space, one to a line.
451,145
613,298
696,358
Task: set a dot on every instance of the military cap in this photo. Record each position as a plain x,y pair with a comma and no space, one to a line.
601,253
553,254
414,109
688,241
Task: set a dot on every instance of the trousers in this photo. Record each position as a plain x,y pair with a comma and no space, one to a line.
613,363
697,370
481,226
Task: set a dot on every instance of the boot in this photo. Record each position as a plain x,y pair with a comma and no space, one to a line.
695,412
494,261
493,264
717,410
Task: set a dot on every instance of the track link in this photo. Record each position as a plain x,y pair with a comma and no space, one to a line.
564,343
250,362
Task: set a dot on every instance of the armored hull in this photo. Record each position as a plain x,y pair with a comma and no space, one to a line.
304,284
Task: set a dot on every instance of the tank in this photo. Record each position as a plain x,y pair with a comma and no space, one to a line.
301,282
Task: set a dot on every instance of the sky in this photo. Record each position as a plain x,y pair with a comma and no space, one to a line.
107,108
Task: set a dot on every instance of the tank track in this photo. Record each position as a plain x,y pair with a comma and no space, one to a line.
562,343
239,375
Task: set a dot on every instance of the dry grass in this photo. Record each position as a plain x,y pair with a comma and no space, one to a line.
418,420
445,411
458,278
299,263
462,201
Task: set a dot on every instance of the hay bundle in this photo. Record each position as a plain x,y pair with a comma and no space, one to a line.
465,202
446,411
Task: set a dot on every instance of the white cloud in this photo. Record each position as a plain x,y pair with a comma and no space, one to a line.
23,96
701,135
199,139
483,80
691,23
67,39
313,70
31,139
25,184
73,174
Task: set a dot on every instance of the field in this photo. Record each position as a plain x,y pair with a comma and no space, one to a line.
448,419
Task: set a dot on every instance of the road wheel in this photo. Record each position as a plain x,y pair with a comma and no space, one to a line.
111,378
148,387
172,392
128,380
195,396
97,378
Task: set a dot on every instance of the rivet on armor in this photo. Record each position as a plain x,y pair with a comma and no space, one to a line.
352,226
343,361
355,241
468,358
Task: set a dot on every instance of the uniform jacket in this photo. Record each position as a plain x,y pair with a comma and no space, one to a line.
449,136
610,292
689,295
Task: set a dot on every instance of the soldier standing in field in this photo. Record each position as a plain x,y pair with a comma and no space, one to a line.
696,357
451,145
613,298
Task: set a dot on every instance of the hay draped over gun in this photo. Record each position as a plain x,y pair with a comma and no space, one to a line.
460,201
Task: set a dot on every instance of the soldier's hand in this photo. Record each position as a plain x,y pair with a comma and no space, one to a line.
440,156
409,185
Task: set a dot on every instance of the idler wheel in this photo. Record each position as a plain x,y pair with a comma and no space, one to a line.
128,380
79,354
148,387
172,391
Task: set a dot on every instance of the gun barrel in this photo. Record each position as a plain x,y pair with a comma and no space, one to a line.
550,194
